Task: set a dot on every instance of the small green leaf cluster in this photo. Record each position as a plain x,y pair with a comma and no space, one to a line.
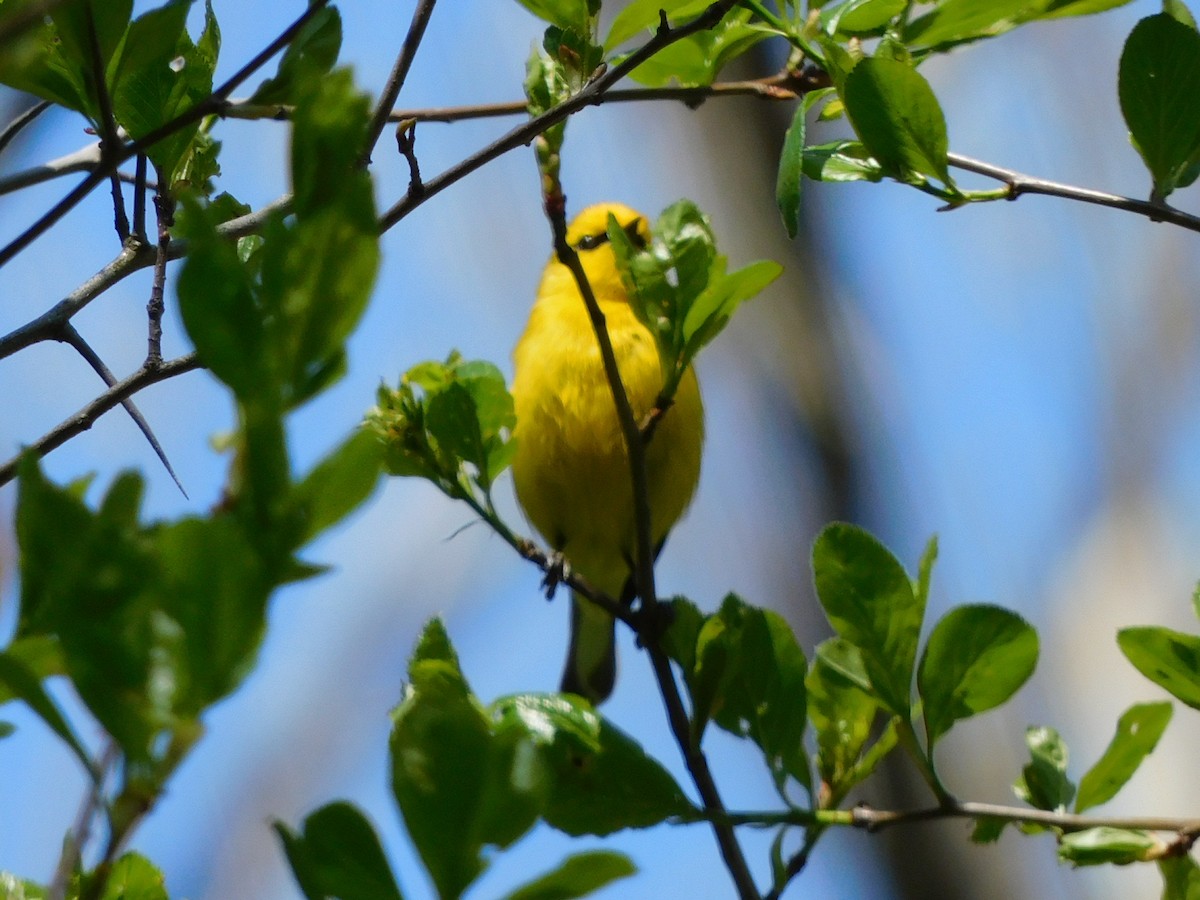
871,50
976,657
468,777
449,423
1044,784
91,58
153,623
679,287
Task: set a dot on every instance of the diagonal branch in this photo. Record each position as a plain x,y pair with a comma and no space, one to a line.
87,416
591,95
84,349
132,258
1019,184
395,82
110,138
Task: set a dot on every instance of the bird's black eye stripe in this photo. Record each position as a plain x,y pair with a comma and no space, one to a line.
591,241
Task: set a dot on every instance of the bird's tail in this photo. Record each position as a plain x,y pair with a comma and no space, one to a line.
591,667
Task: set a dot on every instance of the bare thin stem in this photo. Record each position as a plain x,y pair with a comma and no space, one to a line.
591,95
1019,183
80,833
395,82
49,325
139,197
877,819
87,416
110,139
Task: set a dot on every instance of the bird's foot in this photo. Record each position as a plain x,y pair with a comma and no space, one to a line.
557,571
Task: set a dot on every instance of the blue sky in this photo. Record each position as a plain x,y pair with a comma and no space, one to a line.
1018,372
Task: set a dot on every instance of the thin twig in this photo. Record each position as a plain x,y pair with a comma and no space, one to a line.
1019,183
132,258
84,349
164,211
591,95
87,416
395,82
80,833
13,128
783,86
110,138
211,105
139,197
876,819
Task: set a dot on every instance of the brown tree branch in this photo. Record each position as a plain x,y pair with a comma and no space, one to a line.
395,82
87,416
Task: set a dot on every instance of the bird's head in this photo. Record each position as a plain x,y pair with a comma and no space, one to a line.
588,234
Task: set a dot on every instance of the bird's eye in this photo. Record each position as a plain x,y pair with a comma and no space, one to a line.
591,241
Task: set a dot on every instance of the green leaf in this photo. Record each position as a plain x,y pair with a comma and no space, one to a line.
605,782
788,181
841,713
711,311
760,691
840,161
1102,846
1059,9
33,61
679,642
976,658
643,15
1169,658
311,55
19,681
440,750
133,877
218,302
860,18
214,588
1181,877
1138,731
987,830
1043,782
869,600
85,29
1159,87
954,22
339,484
899,120
338,854
459,785
698,59
1179,11
576,15
159,74
577,876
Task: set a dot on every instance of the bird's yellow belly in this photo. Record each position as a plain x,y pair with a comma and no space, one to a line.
571,468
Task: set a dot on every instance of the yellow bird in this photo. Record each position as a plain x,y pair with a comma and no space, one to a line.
571,469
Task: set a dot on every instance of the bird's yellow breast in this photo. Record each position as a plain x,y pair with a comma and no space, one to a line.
571,469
